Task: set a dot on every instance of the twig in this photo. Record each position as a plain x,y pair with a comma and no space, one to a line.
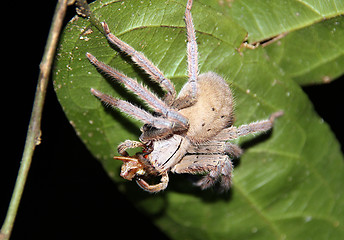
34,131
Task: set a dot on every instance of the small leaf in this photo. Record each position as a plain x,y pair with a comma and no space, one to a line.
287,185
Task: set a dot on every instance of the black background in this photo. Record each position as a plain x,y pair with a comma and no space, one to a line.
68,195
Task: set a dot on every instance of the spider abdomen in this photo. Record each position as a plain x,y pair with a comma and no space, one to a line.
213,110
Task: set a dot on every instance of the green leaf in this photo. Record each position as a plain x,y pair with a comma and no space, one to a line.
265,19
310,49
287,185
312,55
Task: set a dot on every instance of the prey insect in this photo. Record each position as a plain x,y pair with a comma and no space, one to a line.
189,132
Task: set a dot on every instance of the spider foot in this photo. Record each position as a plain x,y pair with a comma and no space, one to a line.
222,173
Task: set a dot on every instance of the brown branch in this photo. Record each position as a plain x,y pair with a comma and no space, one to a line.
34,131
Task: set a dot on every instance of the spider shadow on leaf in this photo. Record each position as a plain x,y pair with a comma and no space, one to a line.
140,198
185,184
181,184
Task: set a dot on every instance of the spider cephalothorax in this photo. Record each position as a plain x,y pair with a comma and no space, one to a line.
189,132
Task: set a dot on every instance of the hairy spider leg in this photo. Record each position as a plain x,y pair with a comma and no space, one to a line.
255,127
191,49
153,101
155,74
218,168
133,111
189,93
215,147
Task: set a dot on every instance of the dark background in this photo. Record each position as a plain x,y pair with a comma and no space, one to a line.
68,195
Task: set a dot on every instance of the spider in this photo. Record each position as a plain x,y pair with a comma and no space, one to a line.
188,132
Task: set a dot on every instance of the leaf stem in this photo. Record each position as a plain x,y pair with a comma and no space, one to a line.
34,131
84,10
